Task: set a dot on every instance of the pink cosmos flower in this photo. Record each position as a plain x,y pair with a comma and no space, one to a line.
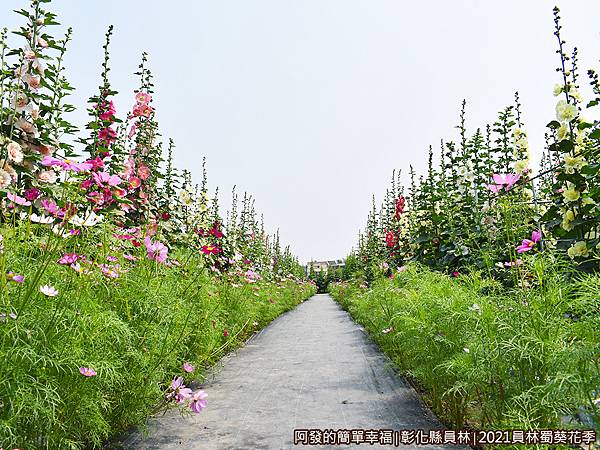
251,276
156,250
68,258
197,402
225,332
16,278
17,200
105,178
108,271
456,273
178,391
528,244
188,367
87,371
503,181
66,164
112,258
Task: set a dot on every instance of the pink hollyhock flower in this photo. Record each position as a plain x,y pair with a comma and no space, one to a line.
106,136
156,250
42,42
47,176
188,367
96,163
32,193
105,178
143,97
26,126
68,258
197,402
142,109
119,192
87,371
109,112
134,183
143,172
17,200
132,130
528,244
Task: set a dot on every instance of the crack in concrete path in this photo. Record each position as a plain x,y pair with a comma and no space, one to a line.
313,367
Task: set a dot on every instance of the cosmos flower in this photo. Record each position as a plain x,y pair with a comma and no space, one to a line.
197,402
87,371
528,244
48,291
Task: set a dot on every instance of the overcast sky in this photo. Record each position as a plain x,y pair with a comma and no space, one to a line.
310,104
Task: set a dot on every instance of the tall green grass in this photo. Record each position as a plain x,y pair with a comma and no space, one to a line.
487,358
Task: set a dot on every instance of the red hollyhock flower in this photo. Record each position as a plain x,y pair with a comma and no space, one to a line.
400,207
391,239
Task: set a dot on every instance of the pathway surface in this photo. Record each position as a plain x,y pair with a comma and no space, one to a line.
311,368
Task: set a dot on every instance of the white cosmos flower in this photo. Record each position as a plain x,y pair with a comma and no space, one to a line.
41,219
90,220
48,291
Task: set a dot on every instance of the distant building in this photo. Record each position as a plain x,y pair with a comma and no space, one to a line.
324,266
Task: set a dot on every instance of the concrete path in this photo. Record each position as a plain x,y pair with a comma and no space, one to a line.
312,368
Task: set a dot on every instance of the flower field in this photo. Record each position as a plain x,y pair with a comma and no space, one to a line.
120,282
480,279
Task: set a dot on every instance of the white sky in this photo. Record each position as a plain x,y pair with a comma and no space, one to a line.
310,104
